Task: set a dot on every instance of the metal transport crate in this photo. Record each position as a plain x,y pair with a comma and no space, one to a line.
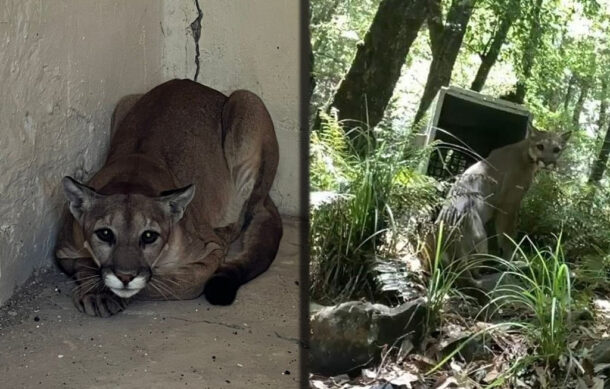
469,125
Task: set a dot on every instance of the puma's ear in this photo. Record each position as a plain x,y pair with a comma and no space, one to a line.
177,201
533,132
80,196
566,136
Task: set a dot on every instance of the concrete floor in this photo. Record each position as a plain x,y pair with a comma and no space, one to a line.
46,343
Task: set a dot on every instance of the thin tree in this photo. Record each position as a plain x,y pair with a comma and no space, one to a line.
569,92
490,56
603,105
601,161
582,96
529,52
364,93
445,40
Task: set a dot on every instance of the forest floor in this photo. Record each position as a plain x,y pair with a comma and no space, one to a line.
404,366
485,358
47,343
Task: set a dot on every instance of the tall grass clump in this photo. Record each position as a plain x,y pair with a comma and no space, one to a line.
347,230
538,285
448,276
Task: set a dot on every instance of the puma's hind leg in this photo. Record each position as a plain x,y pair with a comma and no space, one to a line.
506,225
474,241
251,151
261,240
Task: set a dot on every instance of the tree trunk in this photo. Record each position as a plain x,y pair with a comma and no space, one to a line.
553,98
600,164
584,91
445,48
529,52
365,91
489,58
435,24
603,106
569,93
311,58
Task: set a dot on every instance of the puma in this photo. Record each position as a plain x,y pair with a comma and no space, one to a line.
491,190
188,173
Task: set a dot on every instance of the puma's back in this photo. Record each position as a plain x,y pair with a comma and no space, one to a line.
177,125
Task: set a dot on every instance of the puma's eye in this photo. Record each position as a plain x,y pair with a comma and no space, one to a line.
556,149
540,146
149,237
105,235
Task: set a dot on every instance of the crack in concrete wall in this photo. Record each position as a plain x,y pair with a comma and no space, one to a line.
196,29
237,51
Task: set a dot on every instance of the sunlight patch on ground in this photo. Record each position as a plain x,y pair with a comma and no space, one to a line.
603,307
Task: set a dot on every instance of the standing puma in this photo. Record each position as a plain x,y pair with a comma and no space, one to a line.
492,189
129,232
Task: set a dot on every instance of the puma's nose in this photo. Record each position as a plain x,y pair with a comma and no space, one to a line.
124,277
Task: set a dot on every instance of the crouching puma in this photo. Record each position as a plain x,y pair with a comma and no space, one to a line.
188,172
492,190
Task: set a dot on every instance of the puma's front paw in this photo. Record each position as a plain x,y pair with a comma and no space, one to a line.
221,289
102,304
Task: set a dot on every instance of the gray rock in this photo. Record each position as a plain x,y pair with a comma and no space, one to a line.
600,353
350,335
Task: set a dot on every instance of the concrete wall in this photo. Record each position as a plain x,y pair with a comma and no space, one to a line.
251,45
65,63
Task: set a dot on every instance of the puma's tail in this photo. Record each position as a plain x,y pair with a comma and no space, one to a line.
459,218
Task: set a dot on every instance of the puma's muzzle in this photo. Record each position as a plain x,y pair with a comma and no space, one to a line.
125,285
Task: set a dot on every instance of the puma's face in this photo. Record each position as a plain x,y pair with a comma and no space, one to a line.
546,147
125,234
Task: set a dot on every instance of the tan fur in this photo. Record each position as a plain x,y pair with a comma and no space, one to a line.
492,190
178,134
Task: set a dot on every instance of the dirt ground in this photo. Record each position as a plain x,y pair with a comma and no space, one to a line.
46,343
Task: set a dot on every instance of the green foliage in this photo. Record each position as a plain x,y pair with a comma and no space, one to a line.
485,22
592,273
348,231
345,232
331,162
556,203
336,28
